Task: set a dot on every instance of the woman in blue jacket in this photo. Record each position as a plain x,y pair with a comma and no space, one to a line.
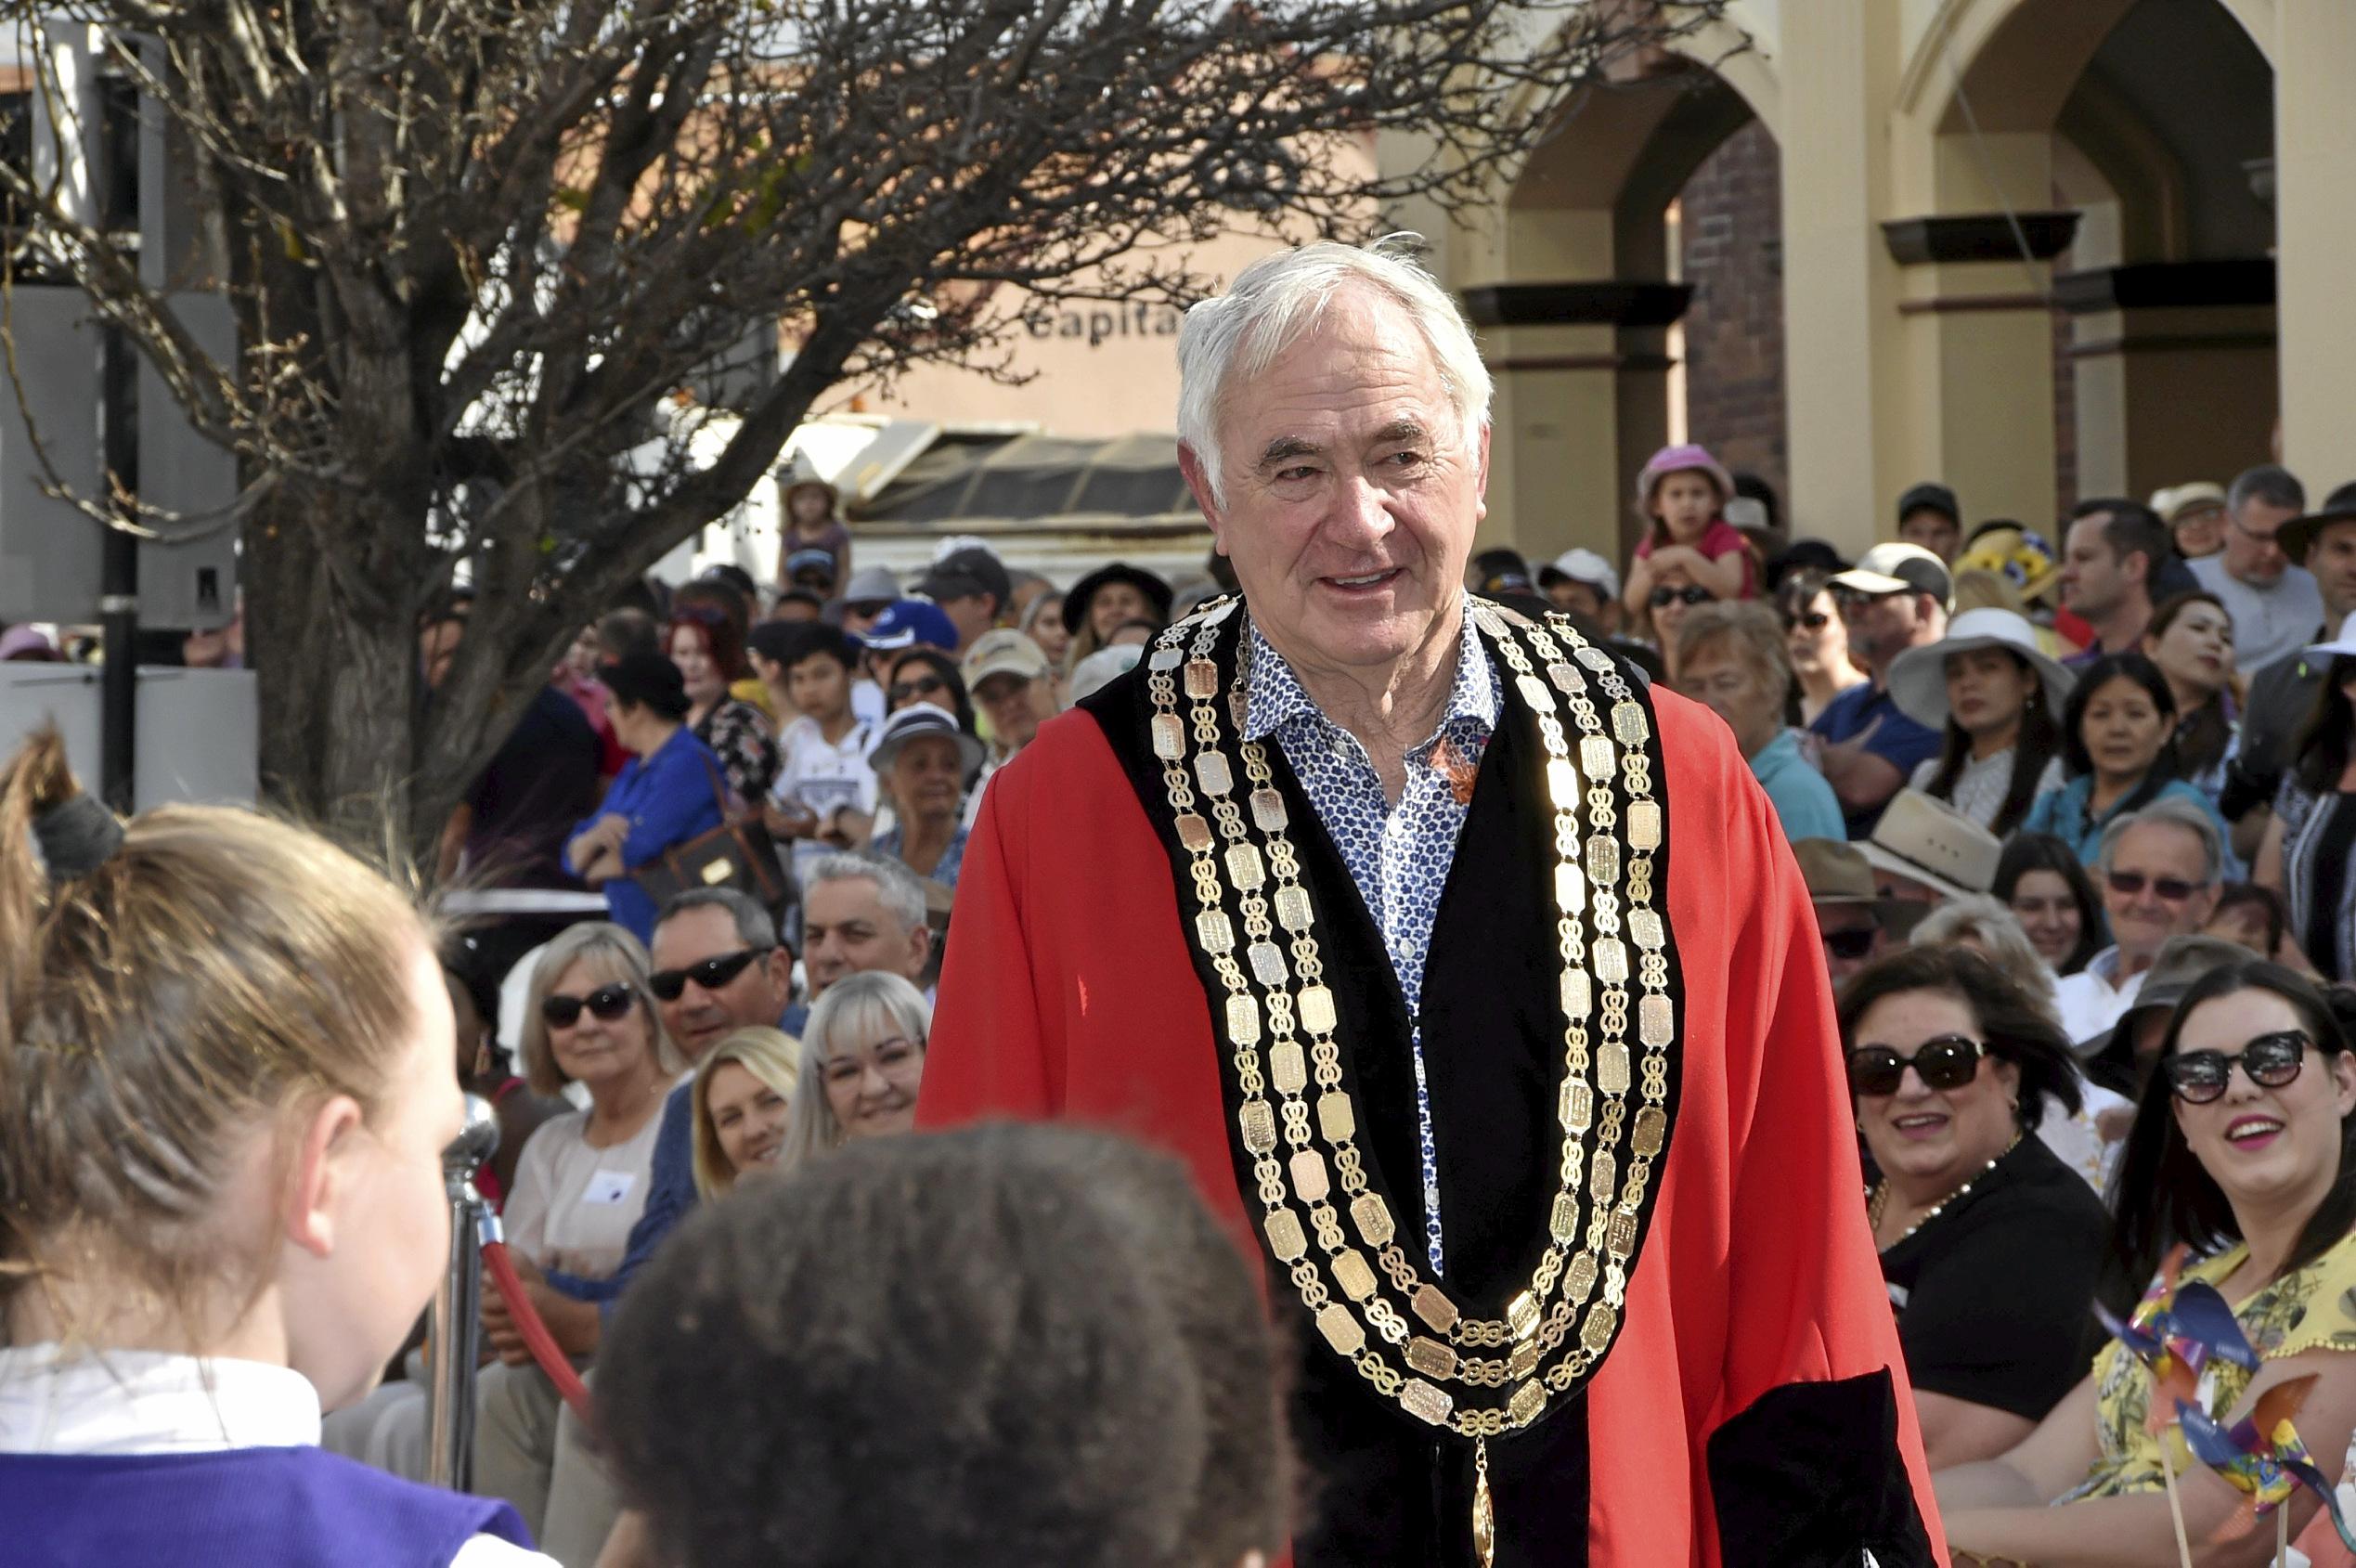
666,795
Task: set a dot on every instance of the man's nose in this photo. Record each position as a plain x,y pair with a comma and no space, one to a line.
1360,514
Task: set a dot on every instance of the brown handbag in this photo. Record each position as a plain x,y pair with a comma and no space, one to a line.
735,854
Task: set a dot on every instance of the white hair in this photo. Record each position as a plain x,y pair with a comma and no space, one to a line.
1279,298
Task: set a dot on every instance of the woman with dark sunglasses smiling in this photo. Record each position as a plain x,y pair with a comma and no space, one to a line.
1988,1241
2239,1153
584,1177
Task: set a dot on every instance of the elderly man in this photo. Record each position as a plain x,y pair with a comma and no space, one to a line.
2282,695
1008,677
2159,870
2273,601
861,912
1897,597
718,968
1559,1193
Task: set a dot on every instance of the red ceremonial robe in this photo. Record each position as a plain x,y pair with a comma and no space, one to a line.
1754,1409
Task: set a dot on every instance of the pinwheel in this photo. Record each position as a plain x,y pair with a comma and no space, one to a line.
2263,1457
2176,1344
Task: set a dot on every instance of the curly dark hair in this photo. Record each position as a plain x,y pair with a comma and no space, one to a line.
2163,1195
996,1348
2014,1027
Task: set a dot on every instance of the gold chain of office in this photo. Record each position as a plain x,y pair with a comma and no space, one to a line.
1276,998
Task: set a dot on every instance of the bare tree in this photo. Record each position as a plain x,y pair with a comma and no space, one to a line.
474,246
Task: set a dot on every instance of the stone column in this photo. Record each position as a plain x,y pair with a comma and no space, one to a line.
2314,57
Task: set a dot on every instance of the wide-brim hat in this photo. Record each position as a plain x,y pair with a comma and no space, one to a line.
1930,842
2178,501
1918,677
913,723
2299,532
2340,647
1144,582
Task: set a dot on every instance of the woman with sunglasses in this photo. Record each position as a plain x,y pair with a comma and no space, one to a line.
1988,1241
1817,639
1674,592
2118,744
590,1019
2309,839
2239,1154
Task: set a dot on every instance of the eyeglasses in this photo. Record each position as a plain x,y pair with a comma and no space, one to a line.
2167,889
1814,620
711,974
1946,1061
1692,593
2270,1061
1852,945
606,1002
2271,536
923,686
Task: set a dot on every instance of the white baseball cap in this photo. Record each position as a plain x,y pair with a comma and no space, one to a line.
1580,566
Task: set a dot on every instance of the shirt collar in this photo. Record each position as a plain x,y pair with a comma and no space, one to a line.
1274,697
147,1402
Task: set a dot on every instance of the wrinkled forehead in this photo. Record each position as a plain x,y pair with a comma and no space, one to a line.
2163,849
1353,358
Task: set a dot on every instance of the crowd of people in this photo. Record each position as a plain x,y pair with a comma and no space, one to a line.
2074,823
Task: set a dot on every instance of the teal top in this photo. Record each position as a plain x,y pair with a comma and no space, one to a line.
2065,813
1802,800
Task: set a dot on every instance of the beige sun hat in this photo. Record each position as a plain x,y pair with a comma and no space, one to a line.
1918,677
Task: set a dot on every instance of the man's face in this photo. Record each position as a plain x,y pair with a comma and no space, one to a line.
2331,555
1011,702
701,1016
2094,581
1933,530
1882,626
1852,938
971,613
820,687
1580,598
2156,887
1352,492
846,930
2253,554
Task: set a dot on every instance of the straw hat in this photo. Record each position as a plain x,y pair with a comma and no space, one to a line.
1918,677
1930,842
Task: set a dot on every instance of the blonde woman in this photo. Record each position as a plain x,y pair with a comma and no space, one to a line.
863,1051
743,1099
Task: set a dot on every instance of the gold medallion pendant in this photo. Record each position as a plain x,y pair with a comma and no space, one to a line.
1257,926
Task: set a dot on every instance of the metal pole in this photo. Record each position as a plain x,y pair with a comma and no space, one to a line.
451,1329
114,130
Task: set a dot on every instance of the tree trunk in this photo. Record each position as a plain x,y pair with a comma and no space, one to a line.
338,681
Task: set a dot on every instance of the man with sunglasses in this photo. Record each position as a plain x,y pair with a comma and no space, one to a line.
1897,597
2159,870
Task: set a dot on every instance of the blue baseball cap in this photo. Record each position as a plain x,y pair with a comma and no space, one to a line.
909,622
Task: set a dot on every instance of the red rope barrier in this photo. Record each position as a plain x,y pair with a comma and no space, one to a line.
542,1344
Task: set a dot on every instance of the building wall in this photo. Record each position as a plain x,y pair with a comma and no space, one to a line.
1732,245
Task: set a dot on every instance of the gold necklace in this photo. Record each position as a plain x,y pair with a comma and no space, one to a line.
1878,1196
1283,997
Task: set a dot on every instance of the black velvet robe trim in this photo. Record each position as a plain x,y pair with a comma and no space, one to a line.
1390,1488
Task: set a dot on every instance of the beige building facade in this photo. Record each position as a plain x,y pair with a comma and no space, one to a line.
2155,197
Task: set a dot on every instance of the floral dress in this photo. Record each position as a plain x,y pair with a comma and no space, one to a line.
2311,1308
739,736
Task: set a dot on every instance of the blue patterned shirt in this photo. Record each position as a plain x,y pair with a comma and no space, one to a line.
1398,855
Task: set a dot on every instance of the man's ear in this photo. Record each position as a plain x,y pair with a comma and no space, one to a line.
315,1179
1480,474
1197,477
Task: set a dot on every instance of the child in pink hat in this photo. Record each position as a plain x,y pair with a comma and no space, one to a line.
1683,492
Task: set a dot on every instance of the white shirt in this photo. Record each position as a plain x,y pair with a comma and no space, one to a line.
825,775
1980,788
2093,1000
144,1402
574,1205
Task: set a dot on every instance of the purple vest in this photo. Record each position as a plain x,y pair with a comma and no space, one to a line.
267,1508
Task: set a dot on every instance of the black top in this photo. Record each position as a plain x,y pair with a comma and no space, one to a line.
1995,1295
539,783
2280,698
